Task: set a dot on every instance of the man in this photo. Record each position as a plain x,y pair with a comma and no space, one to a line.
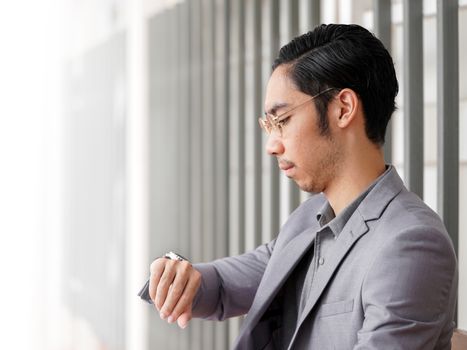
363,263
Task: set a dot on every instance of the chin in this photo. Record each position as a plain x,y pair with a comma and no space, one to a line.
310,188
304,187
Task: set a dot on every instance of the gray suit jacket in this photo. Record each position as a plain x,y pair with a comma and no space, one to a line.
389,281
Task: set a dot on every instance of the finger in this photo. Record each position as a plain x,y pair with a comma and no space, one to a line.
185,318
157,269
186,299
164,284
176,289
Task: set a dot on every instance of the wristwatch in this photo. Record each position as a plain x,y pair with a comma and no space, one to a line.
144,292
174,256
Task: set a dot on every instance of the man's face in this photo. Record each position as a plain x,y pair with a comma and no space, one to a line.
309,158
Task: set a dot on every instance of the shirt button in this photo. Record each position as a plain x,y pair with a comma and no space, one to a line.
321,261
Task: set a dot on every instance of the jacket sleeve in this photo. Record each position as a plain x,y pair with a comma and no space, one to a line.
409,293
229,285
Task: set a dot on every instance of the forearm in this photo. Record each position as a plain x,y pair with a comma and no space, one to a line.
229,285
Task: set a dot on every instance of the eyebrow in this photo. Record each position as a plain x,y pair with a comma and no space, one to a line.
276,107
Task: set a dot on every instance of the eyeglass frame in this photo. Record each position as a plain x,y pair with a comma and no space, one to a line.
275,121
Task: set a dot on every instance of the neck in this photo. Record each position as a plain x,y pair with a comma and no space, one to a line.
355,175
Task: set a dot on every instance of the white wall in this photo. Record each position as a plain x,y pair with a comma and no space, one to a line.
29,181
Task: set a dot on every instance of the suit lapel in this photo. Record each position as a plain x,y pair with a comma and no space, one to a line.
279,268
342,246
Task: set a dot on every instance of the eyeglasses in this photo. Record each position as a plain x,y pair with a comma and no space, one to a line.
271,122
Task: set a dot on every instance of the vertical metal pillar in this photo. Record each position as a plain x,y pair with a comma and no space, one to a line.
208,98
196,85
314,13
236,139
292,19
292,31
221,123
241,122
184,127
382,15
207,144
313,19
413,95
223,128
169,127
183,138
274,188
155,108
448,116
257,133
236,222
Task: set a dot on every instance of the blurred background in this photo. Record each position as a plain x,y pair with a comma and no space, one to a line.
128,128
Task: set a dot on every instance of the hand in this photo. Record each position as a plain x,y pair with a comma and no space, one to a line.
172,286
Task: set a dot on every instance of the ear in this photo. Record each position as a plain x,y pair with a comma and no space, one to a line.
347,104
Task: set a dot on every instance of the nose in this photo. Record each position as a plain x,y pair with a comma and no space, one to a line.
274,145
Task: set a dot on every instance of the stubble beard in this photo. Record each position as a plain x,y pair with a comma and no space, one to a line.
327,169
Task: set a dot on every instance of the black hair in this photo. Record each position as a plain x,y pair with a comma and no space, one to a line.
344,56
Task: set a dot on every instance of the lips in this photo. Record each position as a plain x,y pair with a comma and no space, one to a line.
285,166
